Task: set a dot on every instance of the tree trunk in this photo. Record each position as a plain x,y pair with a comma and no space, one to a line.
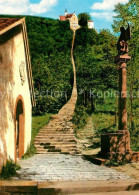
92,104
85,98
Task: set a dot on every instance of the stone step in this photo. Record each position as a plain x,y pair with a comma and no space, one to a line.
48,150
54,133
54,128
55,150
54,139
62,133
116,187
54,147
65,130
57,124
55,144
57,134
45,147
61,126
55,153
57,140
65,142
45,152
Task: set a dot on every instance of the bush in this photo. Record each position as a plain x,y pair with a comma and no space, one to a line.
80,116
47,105
112,162
9,170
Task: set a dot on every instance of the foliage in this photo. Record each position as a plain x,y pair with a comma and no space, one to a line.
97,74
96,71
128,13
51,62
112,162
83,19
80,116
37,123
9,170
104,122
50,45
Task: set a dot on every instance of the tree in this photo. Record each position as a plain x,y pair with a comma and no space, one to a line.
83,19
95,68
128,13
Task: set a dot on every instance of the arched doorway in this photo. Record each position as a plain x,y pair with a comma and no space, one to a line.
19,129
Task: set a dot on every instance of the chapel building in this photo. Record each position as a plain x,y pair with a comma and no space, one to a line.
16,90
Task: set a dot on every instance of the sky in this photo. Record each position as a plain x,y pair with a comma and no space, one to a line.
101,11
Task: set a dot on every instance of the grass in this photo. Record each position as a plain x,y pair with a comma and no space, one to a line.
104,122
37,123
99,123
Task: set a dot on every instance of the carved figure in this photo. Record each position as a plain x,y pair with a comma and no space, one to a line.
122,45
22,72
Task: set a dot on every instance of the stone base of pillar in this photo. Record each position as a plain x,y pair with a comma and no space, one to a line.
116,146
124,157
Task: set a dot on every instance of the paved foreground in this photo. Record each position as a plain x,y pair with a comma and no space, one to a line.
60,167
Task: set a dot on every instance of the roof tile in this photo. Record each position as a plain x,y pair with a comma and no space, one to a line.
5,22
69,15
62,18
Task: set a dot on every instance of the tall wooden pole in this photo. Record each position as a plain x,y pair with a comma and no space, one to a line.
121,60
122,107
116,146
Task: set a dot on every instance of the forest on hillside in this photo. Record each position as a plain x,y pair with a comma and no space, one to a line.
97,75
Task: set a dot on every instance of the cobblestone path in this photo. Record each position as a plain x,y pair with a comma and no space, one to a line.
60,167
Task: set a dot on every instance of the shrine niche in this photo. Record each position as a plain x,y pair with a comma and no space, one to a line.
16,90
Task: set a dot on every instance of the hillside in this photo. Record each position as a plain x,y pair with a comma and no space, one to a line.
50,46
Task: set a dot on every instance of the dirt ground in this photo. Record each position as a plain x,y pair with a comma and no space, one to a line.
131,169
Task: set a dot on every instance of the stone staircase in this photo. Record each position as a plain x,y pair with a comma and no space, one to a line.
58,135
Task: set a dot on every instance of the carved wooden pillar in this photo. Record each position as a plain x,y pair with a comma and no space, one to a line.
116,146
122,108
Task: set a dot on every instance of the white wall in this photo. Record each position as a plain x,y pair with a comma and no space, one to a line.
90,25
12,53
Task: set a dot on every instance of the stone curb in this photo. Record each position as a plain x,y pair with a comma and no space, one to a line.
54,188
